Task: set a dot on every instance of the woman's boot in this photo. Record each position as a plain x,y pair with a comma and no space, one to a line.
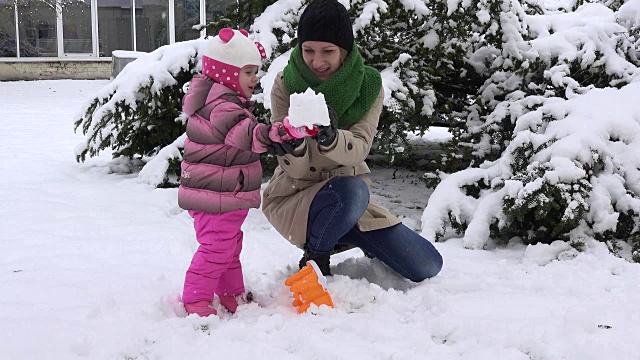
321,259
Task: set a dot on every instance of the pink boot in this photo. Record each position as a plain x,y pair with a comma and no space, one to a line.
202,308
231,302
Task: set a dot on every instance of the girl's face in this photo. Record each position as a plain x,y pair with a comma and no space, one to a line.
323,58
248,79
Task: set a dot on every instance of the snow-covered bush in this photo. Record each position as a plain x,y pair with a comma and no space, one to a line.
140,112
552,156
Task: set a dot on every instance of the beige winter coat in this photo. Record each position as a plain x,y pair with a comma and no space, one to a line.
299,176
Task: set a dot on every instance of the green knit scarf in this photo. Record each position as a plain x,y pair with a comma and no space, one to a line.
350,91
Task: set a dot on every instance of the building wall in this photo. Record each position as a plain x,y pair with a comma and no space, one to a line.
55,69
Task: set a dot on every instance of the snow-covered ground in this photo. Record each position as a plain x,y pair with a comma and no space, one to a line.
92,264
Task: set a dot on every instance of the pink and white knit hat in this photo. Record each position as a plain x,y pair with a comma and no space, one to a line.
227,53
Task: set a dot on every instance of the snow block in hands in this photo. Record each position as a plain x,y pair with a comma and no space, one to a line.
308,109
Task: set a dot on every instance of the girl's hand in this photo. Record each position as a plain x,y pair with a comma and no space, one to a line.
298,132
278,133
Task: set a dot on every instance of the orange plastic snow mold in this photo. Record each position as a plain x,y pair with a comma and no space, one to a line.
309,286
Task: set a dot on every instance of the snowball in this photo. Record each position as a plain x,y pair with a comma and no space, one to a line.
308,109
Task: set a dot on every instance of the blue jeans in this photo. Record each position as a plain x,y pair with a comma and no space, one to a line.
333,218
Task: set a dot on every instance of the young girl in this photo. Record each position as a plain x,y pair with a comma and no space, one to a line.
221,170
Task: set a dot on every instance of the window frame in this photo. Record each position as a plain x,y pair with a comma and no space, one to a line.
95,39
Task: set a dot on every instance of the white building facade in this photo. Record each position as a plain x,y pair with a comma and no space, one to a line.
76,31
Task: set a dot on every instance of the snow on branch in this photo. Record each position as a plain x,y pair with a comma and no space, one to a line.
139,113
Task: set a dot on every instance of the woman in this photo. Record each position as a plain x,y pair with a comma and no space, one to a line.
318,197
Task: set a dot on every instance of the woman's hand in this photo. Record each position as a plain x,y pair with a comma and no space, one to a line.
286,147
327,134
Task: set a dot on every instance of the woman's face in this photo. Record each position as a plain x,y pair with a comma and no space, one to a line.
323,58
248,78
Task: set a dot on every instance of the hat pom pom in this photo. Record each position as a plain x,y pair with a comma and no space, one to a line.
244,32
226,34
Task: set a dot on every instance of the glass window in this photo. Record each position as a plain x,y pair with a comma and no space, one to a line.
114,26
7,29
152,24
37,28
76,27
217,9
187,14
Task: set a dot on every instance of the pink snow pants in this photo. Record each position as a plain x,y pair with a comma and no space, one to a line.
215,267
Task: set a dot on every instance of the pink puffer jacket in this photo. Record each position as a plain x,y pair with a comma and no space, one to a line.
221,169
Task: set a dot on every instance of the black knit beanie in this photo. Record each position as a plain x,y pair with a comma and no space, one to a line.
326,20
